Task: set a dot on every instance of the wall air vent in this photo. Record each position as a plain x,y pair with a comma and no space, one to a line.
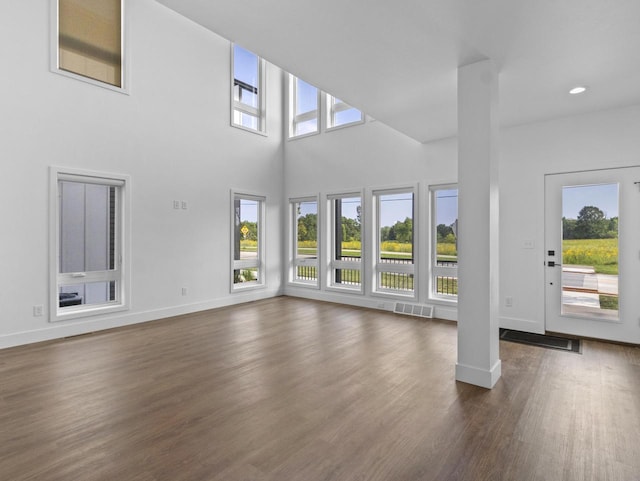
418,310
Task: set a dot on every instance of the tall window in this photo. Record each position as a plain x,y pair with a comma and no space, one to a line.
346,241
444,254
89,40
88,245
395,262
340,114
305,241
304,111
248,90
247,241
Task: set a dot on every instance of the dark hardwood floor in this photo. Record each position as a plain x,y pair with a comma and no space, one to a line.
289,389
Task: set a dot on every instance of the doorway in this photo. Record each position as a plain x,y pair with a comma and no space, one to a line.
592,256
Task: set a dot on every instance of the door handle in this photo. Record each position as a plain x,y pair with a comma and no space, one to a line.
553,264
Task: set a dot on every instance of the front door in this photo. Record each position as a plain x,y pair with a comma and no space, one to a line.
592,254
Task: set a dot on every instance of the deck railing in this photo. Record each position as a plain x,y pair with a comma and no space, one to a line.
446,285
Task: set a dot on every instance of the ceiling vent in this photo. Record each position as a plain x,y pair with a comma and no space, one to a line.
418,310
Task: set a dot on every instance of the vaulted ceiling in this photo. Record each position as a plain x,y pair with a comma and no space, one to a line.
397,60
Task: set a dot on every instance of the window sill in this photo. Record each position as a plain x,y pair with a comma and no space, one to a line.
305,285
78,313
65,73
247,286
247,129
443,302
344,126
303,136
346,290
395,295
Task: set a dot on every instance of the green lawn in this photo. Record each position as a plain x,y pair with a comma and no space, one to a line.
608,302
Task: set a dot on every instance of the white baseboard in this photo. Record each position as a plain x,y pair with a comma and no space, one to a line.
478,376
381,303
63,329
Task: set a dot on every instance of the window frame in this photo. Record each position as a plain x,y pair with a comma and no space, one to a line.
435,270
332,108
121,271
259,262
294,119
332,262
380,267
260,111
296,262
54,61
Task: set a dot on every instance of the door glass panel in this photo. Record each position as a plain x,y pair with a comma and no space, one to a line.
590,251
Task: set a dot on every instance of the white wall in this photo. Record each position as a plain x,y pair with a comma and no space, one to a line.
373,155
171,135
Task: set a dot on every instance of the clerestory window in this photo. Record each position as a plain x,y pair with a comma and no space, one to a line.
340,114
88,41
248,90
304,108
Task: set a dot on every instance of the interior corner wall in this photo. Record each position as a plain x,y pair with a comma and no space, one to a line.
171,135
369,156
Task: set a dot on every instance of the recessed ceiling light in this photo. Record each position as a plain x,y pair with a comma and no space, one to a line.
578,90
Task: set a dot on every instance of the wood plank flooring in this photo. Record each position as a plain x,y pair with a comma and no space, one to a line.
291,389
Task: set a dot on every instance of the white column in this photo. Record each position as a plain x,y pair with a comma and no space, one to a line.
478,228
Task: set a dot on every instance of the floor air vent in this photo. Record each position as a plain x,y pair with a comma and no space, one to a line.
417,310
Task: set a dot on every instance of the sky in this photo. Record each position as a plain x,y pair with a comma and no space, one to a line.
396,207
248,210
245,66
446,206
603,196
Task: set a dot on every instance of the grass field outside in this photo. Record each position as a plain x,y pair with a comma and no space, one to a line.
601,254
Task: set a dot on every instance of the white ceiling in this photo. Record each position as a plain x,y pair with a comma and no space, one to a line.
397,60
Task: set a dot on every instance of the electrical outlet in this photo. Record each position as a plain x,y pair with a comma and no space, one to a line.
184,291
508,301
38,311
184,205
176,204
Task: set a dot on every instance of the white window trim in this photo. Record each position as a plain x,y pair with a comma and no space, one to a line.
259,112
434,269
377,268
123,274
54,61
332,108
259,262
294,119
294,262
332,263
